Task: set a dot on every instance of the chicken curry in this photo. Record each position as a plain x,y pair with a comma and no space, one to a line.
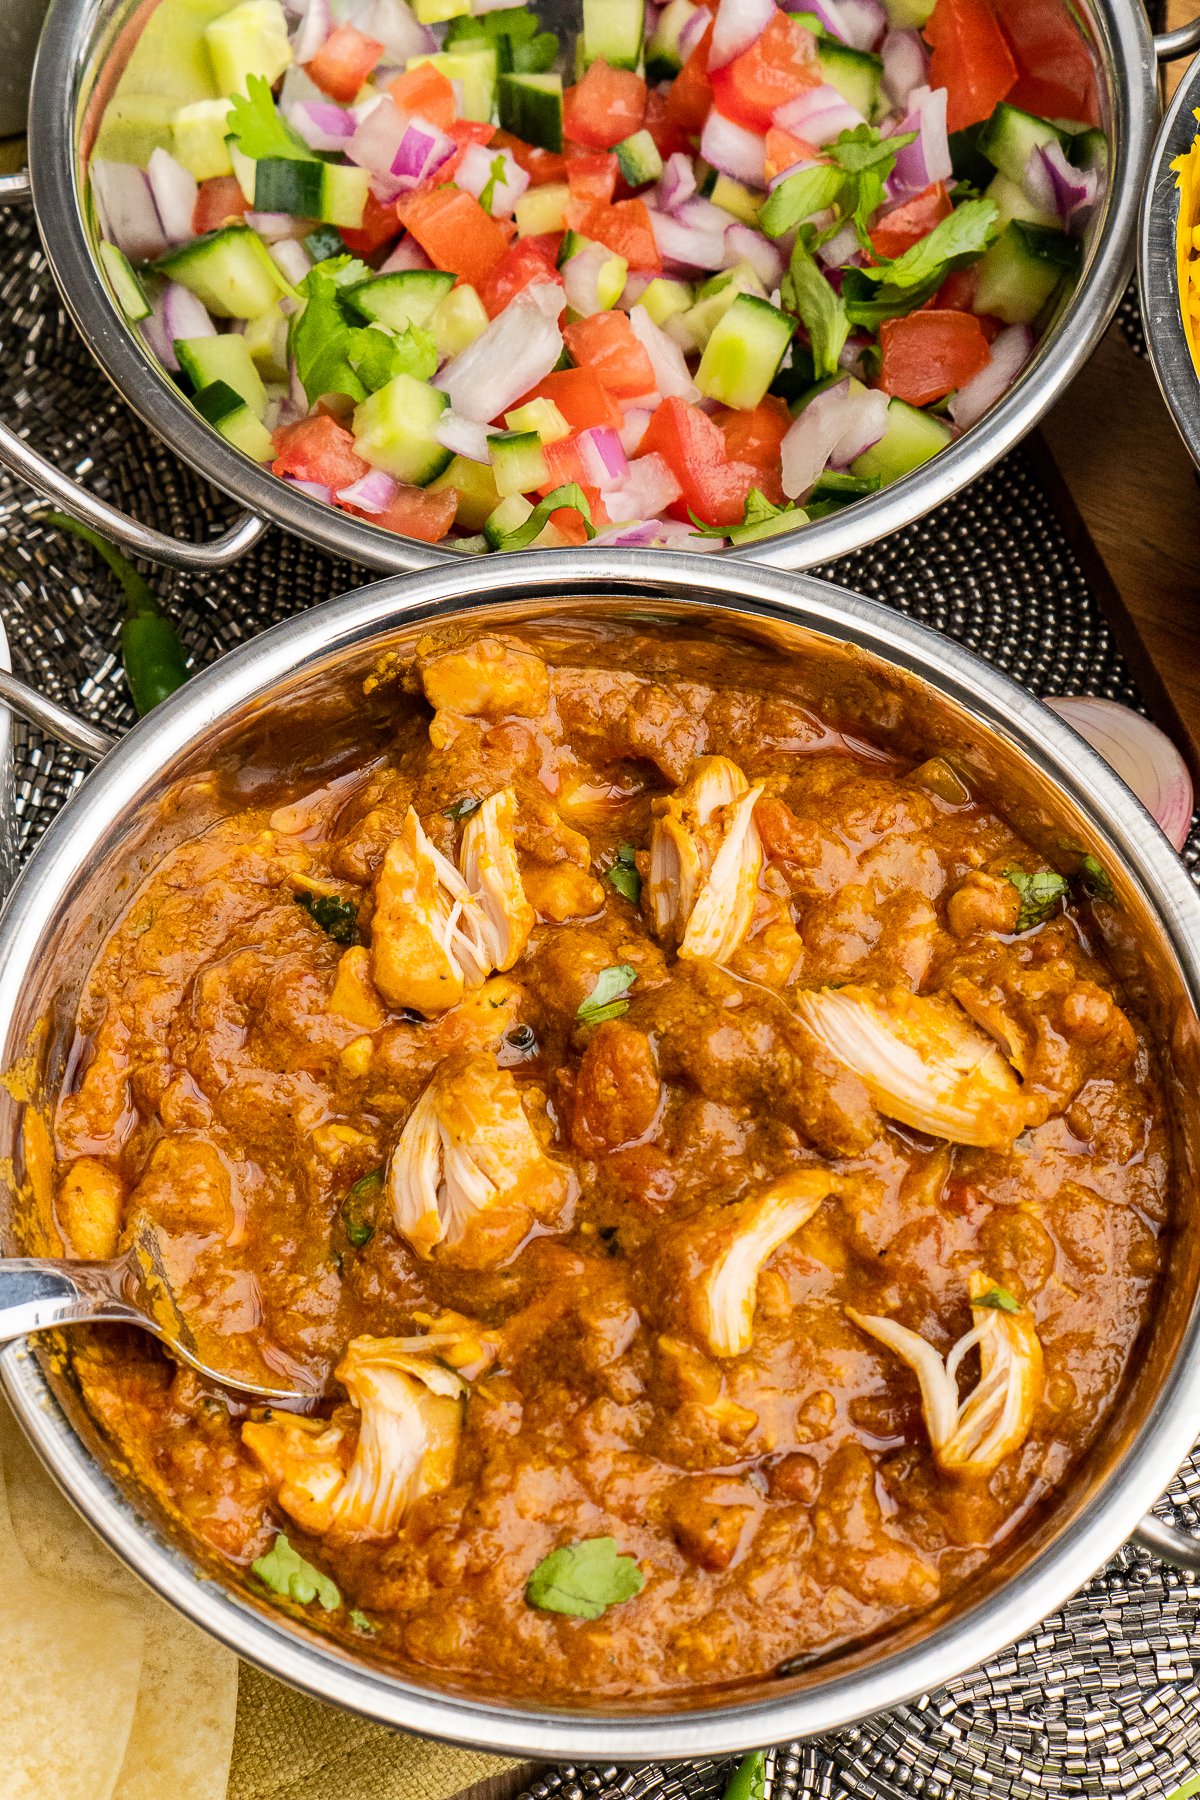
700,1156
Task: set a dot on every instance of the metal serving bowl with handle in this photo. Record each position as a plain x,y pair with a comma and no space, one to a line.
906,685
1158,276
84,46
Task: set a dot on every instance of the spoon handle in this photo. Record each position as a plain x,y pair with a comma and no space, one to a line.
39,1293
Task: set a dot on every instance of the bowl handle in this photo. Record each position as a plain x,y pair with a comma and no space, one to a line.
1167,1542
50,717
1168,45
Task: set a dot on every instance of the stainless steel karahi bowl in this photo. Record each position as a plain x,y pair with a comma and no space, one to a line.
1158,275
83,48
905,683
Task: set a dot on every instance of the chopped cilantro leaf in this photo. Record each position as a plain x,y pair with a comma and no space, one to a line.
609,998
1097,883
999,1299
571,495
1040,894
260,131
338,919
749,1779
362,1624
462,809
377,354
285,1572
966,233
798,197
359,1205
497,169
584,1579
810,296
623,875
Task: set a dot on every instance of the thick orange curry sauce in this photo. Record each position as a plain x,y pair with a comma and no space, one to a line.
764,1456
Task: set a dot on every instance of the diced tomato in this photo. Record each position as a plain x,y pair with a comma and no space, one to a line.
415,513
957,292
624,227
454,231
318,449
379,226
690,94
714,488
564,463
906,225
929,354
465,132
666,134
970,60
592,176
343,62
781,63
606,342
754,437
219,199
579,396
606,106
783,149
570,523
549,243
427,93
541,166
522,262
1056,76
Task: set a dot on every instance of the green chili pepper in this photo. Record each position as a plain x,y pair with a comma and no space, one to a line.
748,1781
150,647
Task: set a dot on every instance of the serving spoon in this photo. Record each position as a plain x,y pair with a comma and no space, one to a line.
46,1293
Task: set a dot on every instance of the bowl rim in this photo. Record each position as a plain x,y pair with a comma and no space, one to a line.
1128,836
1126,56
1158,285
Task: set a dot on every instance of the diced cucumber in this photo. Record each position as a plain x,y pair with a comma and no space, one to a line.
1009,138
611,270
459,320
1021,271
266,340
333,193
733,198
531,107
789,520
128,291
226,358
744,351
911,438
436,12
664,298
662,52
406,297
230,270
967,160
715,298
1012,202
394,429
908,15
539,415
475,485
841,486
324,242
518,461
1088,149
639,159
224,408
244,168
251,39
856,74
166,67
198,138
511,512
476,65
542,209
612,32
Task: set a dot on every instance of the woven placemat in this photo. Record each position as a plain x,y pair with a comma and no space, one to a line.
1103,1699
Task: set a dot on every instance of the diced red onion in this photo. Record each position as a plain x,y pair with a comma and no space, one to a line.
1058,187
733,149
677,182
806,162
361,111
647,488
603,458
316,490
322,124
852,350
421,152
745,245
738,23
1142,755
657,534
633,428
371,493
819,115
686,246
518,349
391,23
905,65
272,227
693,30
466,437
174,189
833,428
864,22
291,259
581,279
671,376
474,173
840,249
313,29
1010,351
927,158
702,214
126,210
830,14
175,312
377,137
408,254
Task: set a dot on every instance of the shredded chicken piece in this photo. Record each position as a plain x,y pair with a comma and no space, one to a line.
923,1062
469,1164
407,1442
488,859
752,1232
972,1435
490,678
705,860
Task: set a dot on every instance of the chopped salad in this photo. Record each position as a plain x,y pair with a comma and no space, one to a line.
749,266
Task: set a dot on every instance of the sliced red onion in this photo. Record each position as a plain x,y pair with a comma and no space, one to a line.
834,428
316,490
677,182
647,488
1058,187
671,376
517,350
581,279
1011,350
927,158
322,124
905,65
1142,755
466,437
314,27
292,260
745,245
391,23
603,458
371,493
125,207
842,248
174,190
864,22
657,534
633,428
738,23
475,171
819,115
273,227
733,149
686,246
408,254
693,30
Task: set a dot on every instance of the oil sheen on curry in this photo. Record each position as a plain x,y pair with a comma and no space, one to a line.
704,1156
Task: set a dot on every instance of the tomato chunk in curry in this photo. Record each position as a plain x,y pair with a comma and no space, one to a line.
659,1117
